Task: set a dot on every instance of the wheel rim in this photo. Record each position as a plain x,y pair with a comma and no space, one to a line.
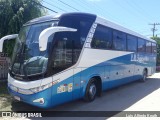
92,90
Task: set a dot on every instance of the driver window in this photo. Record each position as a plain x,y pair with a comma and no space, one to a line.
62,57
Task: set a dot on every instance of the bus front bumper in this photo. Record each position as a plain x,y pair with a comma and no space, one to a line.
41,99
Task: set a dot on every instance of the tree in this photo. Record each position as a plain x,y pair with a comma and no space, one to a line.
14,13
157,39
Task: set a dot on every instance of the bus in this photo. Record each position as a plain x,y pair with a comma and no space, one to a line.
64,57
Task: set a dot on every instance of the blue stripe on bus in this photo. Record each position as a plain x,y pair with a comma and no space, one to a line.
52,98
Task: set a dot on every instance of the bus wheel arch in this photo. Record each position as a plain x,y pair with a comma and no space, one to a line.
94,83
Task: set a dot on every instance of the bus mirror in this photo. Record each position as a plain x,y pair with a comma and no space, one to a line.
8,37
44,35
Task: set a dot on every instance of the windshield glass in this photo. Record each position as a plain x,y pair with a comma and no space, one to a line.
27,58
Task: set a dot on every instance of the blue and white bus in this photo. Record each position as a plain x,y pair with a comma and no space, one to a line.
70,56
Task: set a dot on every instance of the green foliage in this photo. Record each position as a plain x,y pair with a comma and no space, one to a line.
13,14
157,39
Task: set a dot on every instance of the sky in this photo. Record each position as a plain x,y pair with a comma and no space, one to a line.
135,15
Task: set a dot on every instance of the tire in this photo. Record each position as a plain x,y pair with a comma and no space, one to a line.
144,75
91,91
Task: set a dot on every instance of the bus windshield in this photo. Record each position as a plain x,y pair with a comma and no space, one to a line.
63,48
27,58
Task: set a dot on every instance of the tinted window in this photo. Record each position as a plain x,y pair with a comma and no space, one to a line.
141,45
119,40
63,57
26,52
131,43
102,38
68,45
83,26
78,43
148,47
154,48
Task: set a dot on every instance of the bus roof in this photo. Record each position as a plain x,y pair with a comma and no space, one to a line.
58,16
99,20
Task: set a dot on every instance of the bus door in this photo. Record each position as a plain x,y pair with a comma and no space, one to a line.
62,67
62,92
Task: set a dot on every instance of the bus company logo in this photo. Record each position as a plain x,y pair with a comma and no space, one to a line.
133,57
6,114
20,115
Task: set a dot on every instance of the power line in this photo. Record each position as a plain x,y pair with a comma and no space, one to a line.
94,7
54,6
154,27
68,5
138,9
44,6
78,2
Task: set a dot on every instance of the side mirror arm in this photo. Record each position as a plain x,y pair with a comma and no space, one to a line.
44,35
8,37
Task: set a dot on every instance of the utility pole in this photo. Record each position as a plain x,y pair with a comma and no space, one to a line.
154,27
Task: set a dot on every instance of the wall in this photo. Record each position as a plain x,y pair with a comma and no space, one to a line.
4,66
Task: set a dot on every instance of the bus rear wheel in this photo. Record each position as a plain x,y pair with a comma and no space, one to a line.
91,91
144,76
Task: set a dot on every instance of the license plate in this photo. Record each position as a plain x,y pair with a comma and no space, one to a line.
17,98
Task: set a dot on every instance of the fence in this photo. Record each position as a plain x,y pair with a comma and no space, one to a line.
4,66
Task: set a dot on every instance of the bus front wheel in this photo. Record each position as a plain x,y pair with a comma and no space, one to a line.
91,91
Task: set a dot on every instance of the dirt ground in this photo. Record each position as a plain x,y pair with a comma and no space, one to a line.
5,98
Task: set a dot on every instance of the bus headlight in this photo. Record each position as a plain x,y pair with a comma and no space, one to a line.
43,87
19,90
32,90
38,89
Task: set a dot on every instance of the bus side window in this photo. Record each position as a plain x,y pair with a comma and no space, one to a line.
154,48
131,43
102,38
141,45
148,47
119,40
